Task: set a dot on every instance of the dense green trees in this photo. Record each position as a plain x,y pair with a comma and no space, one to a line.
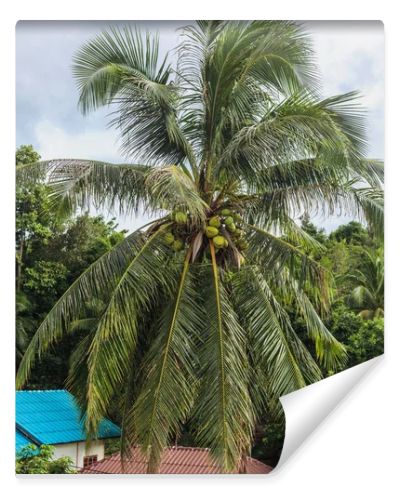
368,279
355,258
26,154
51,251
200,308
39,460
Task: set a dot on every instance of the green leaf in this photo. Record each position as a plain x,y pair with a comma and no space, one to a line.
330,352
274,346
86,183
98,280
175,190
114,342
224,413
169,382
121,67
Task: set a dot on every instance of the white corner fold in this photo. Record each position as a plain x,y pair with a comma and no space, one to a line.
306,408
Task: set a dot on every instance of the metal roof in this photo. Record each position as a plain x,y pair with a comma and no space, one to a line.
53,417
21,441
175,460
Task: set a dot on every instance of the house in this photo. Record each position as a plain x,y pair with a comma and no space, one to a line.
53,417
175,460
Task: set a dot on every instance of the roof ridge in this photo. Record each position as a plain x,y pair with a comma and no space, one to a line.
137,446
27,434
180,447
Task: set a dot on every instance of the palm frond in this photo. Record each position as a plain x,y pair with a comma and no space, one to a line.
370,172
290,188
223,412
229,68
149,274
102,65
330,352
121,67
175,190
321,186
272,252
294,129
98,280
169,383
371,208
298,237
87,183
274,346
361,296
368,281
78,373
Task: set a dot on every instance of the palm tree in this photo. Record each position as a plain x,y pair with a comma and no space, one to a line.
231,145
367,297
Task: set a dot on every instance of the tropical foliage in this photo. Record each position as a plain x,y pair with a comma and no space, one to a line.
51,253
39,460
368,294
231,146
346,252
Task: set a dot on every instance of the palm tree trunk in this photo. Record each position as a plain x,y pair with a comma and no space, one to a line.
242,464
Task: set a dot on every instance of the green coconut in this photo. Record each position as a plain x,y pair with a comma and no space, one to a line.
169,238
214,221
237,217
243,245
231,227
219,241
229,220
225,212
211,231
226,243
181,218
177,245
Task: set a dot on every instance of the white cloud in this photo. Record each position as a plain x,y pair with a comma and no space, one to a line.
55,142
349,53
351,56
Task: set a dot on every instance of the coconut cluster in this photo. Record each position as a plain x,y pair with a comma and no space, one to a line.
229,221
175,238
223,227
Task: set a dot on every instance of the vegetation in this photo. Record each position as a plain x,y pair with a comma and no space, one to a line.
210,313
346,253
39,460
51,253
368,294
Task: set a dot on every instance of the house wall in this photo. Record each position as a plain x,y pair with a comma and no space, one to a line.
76,451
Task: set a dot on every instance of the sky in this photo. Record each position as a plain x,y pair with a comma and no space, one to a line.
350,56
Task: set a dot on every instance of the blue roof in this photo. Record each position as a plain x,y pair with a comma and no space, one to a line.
53,417
21,441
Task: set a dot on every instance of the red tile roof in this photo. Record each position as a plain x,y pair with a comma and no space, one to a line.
175,460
